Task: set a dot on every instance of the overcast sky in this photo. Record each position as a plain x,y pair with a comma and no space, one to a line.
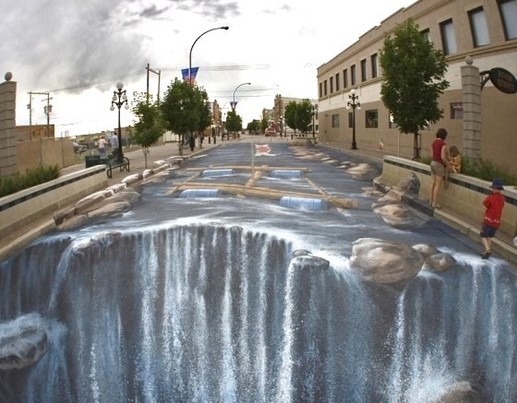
77,50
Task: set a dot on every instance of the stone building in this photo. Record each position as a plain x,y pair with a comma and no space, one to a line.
476,36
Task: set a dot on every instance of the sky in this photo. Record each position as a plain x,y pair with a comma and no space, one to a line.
78,50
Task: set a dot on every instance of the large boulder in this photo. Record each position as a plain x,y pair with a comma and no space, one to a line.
460,392
110,210
363,171
409,184
439,262
397,215
23,341
384,262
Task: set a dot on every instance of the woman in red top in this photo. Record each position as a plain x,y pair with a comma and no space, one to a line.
439,165
494,204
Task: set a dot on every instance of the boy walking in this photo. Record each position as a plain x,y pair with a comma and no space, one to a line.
494,204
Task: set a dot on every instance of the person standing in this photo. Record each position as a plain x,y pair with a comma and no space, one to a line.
494,204
439,165
102,145
114,143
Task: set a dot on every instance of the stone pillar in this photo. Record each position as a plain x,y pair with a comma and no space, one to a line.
8,165
471,85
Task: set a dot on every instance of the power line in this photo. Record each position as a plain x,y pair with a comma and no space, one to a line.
178,69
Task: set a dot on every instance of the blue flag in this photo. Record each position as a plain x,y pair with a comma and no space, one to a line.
193,74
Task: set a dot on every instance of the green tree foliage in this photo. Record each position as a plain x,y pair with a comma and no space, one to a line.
31,177
183,108
233,122
413,79
149,126
263,125
253,126
298,115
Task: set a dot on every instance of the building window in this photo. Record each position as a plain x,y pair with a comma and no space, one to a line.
373,61
508,11
337,82
364,76
325,88
345,78
352,75
457,110
321,90
479,27
372,119
448,38
331,84
335,120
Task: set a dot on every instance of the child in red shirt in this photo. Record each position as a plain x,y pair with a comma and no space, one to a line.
494,204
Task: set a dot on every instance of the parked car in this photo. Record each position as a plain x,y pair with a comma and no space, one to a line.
79,148
270,131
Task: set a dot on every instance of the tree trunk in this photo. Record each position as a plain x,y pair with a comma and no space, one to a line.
416,146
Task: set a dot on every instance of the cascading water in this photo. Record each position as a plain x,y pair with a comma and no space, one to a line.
217,313
194,313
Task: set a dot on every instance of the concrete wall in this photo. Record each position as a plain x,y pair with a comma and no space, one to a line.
25,207
462,197
45,151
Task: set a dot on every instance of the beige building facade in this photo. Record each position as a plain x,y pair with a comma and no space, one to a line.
476,36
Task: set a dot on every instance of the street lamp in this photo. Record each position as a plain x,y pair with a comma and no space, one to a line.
314,109
119,99
234,104
353,102
192,47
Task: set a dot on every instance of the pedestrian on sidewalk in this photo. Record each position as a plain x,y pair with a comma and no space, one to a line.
192,142
102,145
114,143
494,204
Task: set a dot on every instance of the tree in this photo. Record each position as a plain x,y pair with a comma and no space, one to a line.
298,115
149,125
184,109
253,126
264,124
233,122
413,80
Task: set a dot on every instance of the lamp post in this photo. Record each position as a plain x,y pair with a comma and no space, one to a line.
192,47
234,104
119,99
353,102
314,109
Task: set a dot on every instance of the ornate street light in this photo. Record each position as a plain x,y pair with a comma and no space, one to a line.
314,109
233,104
119,99
192,47
353,103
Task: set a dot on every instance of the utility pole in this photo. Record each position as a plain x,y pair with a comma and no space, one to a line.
47,110
159,75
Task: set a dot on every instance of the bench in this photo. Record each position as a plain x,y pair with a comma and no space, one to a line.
115,162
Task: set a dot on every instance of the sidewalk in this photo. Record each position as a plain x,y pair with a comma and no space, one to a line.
502,243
